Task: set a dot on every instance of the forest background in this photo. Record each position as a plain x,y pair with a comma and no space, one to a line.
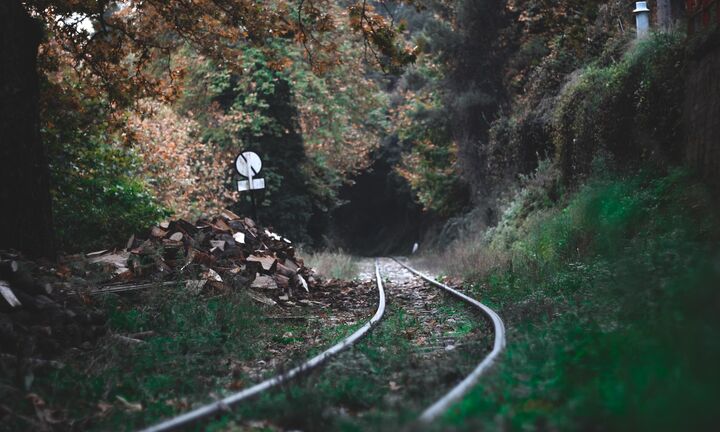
426,113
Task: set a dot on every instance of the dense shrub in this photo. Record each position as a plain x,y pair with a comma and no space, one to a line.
630,110
99,196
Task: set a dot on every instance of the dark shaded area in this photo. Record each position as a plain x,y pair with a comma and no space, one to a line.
288,203
380,216
25,219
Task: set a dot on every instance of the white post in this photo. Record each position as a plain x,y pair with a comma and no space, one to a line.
642,19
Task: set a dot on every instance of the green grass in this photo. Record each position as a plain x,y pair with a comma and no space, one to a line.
353,392
612,304
198,341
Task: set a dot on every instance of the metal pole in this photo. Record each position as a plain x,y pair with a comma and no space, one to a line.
252,192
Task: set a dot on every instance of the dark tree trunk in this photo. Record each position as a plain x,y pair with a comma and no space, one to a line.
664,15
25,211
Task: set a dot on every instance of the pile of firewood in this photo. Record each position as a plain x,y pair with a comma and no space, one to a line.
44,309
225,251
38,318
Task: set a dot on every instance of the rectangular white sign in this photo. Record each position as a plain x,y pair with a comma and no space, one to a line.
244,185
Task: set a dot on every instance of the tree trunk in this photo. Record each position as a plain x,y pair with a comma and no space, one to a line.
664,15
25,209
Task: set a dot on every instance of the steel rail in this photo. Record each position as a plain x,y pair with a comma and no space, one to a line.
224,405
457,392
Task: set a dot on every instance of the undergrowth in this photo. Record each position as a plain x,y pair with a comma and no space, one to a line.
380,384
198,348
613,311
334,265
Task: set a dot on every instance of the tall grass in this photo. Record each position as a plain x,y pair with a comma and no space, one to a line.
613,311
334,265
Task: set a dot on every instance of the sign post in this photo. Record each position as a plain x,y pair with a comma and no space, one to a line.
248,165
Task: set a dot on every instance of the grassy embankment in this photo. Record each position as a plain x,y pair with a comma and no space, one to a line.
612,303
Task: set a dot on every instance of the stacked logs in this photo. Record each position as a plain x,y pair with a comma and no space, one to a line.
37,318
224,251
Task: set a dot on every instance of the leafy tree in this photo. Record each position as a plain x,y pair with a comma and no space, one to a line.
120,56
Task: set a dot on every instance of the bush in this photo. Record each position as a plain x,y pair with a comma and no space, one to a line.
630,110
99,198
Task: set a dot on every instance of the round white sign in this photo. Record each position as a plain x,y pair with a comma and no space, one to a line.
248,160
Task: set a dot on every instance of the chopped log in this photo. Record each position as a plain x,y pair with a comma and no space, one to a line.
195,286
285,271
264,282
178,236
239,238
282,281
292,265
227,214
118,288
158,232
221,226
164,225
302,282
261,298
217,244
268,263
130,243
8,295
184,226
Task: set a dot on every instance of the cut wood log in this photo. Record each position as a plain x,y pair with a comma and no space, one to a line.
178,236
217,244
264,282
120,288
221,225
195,286
130,243
261,298
227,214
303,283
239,237
267,262
158,232
285,271
282,281
9,295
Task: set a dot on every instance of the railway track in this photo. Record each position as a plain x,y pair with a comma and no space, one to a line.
428,415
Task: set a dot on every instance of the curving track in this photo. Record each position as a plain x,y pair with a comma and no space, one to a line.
431,413
223,405
457,392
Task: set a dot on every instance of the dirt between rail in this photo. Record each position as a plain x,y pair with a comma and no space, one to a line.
442,340
426,343
333,304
